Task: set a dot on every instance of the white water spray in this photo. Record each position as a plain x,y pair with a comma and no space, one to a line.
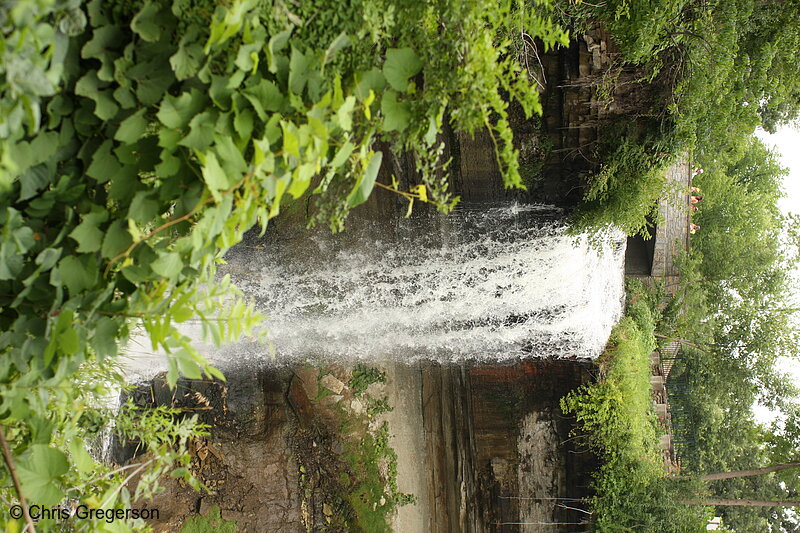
485,283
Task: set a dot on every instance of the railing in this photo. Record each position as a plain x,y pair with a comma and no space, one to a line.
684,437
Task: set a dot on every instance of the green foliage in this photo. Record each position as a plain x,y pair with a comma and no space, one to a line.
734,60
626,190
374,495
211,523
379,406
718,70
56,465
738,295
632,492
743,70
357,483
742,259
642,28
140,140
363,376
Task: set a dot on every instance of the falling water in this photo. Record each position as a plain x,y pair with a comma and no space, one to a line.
486,283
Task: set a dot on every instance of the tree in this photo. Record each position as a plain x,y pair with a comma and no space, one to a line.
747,473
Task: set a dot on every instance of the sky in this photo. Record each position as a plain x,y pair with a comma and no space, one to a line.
785,141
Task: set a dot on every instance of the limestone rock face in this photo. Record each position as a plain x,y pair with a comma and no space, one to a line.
248,461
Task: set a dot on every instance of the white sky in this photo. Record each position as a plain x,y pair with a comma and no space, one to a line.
786,141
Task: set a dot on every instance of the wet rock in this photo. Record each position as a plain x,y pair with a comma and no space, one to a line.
332,383
376,390
245,402
331,400
309,378
357,407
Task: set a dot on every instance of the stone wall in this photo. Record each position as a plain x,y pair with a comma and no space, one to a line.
672,232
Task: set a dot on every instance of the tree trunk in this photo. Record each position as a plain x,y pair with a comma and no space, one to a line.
747,473
743,503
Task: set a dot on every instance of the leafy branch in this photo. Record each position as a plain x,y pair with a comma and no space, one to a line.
172,222
7,457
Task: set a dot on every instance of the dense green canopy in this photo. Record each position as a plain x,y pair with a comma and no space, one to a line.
139,140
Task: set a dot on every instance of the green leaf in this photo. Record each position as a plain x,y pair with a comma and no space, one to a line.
78,272
104,164
33,180
214,176
300,66
47,258
105,38
169,165
80,457
342,154
17,239
89,86
152,78
125,97
72,22
231,157
39,470
396,115
87,234
143,207
145,23
187,60
182,313
124,184
59,106
44,146
187,366
41,430
341,42
301,179
168,265
169,139
201,131
276,44
68,341
116,240
104,339
265,96
247,57
243,122
176,112
291,143
366,182
401,64
345,113
131,129
434,123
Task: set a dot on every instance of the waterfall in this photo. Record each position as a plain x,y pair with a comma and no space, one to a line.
483,283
